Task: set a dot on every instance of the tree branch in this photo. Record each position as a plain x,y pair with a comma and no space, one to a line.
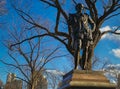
48,3
57,25
108,12
18,10
15,66
33,37
61,10
112,16
42,35
46,59
93,9
23,80
30,22
74,2
113,32
57,21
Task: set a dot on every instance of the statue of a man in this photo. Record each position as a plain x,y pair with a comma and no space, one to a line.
82,26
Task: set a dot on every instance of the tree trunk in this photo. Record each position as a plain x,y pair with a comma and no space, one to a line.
32,86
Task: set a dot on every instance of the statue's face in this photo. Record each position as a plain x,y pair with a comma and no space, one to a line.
79,7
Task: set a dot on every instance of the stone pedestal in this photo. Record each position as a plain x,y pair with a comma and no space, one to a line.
83,79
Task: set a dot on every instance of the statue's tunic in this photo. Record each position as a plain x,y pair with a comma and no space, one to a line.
80,29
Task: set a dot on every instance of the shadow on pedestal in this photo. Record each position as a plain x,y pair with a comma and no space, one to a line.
83,79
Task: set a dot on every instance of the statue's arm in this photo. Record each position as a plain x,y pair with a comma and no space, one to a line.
92,23
70,20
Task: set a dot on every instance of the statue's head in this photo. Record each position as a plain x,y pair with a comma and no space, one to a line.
79,7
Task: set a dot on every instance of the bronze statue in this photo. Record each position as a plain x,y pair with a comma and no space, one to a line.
82,27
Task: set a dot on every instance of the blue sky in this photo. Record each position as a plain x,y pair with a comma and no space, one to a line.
107,49
109,45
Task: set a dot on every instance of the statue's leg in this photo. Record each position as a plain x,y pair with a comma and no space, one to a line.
77,55
82,61
89,59
86,66
86,59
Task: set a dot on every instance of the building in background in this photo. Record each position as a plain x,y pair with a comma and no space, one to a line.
11,77
12,82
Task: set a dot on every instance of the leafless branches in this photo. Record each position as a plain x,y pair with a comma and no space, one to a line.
99,64
113,32
109,10
29,58
113,6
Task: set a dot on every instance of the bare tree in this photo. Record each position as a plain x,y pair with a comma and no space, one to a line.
54,77
29,58
112,71
99,64
110,8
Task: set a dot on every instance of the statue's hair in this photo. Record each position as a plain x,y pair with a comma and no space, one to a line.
79,6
